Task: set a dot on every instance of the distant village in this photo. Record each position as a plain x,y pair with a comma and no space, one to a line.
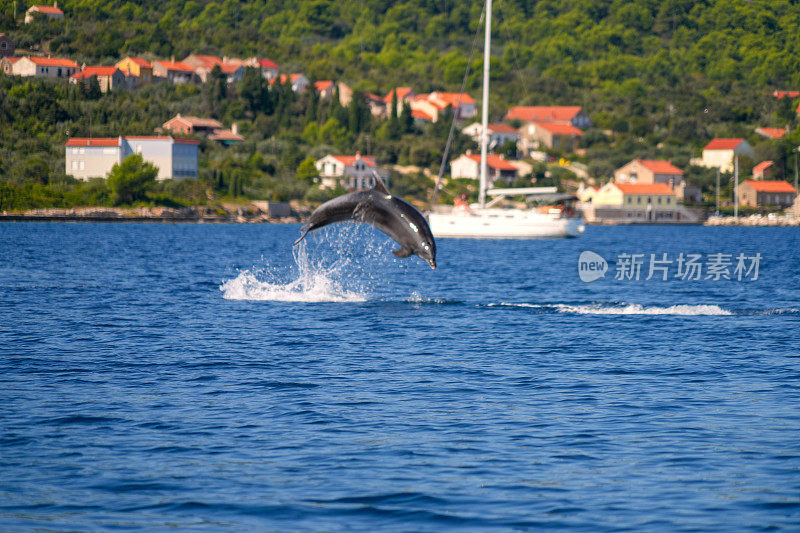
640,191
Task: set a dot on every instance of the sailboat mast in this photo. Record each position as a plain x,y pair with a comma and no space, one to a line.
485,105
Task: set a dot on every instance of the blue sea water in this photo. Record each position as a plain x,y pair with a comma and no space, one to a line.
204,377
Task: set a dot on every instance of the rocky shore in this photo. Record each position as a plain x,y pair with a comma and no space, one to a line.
754,220
255,213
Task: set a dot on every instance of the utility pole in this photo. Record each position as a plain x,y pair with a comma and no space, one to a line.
717,213
796,150
736,186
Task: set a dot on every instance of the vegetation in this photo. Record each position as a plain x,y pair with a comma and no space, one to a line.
659,79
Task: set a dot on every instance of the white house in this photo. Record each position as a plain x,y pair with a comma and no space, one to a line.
719,153
350,171
93,157
44,67
268,68
51,12
499,134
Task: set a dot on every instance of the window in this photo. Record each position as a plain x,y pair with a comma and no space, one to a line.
81,150
74,165
81,165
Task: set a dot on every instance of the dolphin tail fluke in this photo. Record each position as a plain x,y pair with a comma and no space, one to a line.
402,253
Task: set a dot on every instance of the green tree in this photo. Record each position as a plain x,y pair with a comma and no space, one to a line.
128,181
307,171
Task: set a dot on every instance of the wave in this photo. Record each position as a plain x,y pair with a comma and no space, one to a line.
628,309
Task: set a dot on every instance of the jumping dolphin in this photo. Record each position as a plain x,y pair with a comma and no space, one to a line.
377,207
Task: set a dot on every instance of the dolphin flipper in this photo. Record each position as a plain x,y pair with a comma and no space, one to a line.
306,228
380,186
402,253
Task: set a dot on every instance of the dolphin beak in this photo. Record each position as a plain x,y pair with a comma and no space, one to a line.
432,263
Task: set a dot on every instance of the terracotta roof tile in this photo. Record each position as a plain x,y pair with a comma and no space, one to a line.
723,144
660,167
770,186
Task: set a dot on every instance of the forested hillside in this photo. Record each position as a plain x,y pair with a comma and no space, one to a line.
658,78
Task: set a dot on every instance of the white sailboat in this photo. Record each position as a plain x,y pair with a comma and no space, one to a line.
486,221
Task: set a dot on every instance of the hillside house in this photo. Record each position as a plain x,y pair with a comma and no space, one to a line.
7,64
429,107
6,46
572,115
499,133
773,133
327,89
174,72
766,170
298,81
268,68
554,135
232,69
49,12
777,193
138,70
213,129
351,172
376,105
786,94
468,166
93,157
109,78
44,67
719,153
404,94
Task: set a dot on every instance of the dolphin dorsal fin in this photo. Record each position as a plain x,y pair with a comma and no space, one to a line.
380,186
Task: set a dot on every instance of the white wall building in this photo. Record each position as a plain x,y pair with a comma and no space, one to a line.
350,171
94,157
719,153
44,67
499,134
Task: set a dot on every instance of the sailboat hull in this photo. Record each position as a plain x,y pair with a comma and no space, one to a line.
504,224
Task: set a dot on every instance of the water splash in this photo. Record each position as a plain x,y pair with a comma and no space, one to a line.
335,265
627,309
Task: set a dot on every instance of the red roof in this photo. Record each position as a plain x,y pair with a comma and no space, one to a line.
645,188
93,141
141,62
207,61
226,135
175,65
196,122
770,186
500,127
772,133
53,62
452,99
493,161
660,167
723,144
322,85
266,63
557,128
402,92
230,68
786,94
12,59
114,141
543,113
350,160
50,10
761,167
422,115
88,72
